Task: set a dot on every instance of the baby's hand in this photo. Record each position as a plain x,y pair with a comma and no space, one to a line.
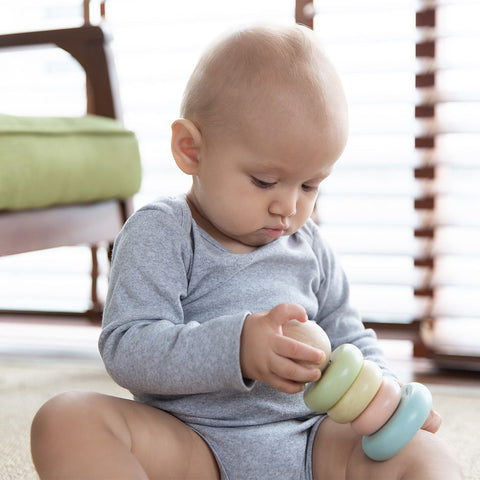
268,356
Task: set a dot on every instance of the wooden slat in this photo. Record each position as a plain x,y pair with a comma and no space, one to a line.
425,49
424,80
425,18
424,292
425,142
425,203
424,232
424,111
425,262
426,172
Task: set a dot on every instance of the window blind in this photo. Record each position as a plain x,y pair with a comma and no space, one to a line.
448,172
402,206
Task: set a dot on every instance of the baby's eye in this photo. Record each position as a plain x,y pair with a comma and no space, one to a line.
309,188
261,184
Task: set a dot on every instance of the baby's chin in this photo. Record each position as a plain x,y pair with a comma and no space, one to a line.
263,239
247,244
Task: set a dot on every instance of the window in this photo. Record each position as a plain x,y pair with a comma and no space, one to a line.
155,46
403,207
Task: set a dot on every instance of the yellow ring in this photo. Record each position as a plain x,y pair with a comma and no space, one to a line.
359,395
346,363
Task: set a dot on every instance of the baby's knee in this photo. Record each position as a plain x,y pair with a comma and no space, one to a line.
61,411
59,420
78,432
429,455
425,456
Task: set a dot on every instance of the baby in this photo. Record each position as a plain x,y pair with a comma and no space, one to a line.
202,283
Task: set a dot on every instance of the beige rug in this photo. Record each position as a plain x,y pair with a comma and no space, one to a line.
25,385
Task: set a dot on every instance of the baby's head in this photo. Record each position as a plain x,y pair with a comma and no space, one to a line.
275,74
264,119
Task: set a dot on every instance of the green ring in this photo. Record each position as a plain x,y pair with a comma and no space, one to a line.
346,363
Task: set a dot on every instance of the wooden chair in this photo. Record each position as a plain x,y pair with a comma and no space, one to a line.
91,223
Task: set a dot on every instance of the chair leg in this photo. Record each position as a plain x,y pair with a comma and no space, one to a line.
109,253
95,311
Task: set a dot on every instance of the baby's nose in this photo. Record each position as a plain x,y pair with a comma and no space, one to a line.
284,205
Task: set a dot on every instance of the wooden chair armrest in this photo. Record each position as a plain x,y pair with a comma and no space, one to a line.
87,44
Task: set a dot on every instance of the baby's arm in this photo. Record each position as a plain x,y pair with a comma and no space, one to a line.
146,343
268,356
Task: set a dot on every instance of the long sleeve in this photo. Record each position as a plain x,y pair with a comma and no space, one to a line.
146,344
336,316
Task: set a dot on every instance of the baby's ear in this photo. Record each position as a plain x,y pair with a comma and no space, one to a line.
186,141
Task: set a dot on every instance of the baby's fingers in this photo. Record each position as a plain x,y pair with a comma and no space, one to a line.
298,351
433,422
294,372
286,386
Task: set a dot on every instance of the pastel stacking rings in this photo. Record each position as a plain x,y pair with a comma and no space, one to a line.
359,395
411,413
346,363
380,409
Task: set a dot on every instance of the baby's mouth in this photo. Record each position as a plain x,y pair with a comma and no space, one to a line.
276,232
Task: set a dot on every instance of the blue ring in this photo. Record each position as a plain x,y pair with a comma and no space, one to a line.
411,413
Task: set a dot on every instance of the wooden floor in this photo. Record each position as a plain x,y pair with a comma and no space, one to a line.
47,337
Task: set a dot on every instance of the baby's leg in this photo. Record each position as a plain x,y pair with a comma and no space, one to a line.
338,454
79,435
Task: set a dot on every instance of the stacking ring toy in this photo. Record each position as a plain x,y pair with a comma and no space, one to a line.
380,409
410,415
352,389
346,363
359,395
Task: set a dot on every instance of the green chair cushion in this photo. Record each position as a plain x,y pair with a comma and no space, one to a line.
58,160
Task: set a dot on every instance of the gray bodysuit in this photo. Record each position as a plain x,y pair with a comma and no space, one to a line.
174,314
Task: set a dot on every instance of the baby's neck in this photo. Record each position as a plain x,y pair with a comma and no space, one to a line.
230,244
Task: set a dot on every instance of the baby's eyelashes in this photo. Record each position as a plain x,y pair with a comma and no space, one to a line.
262,184
310,188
